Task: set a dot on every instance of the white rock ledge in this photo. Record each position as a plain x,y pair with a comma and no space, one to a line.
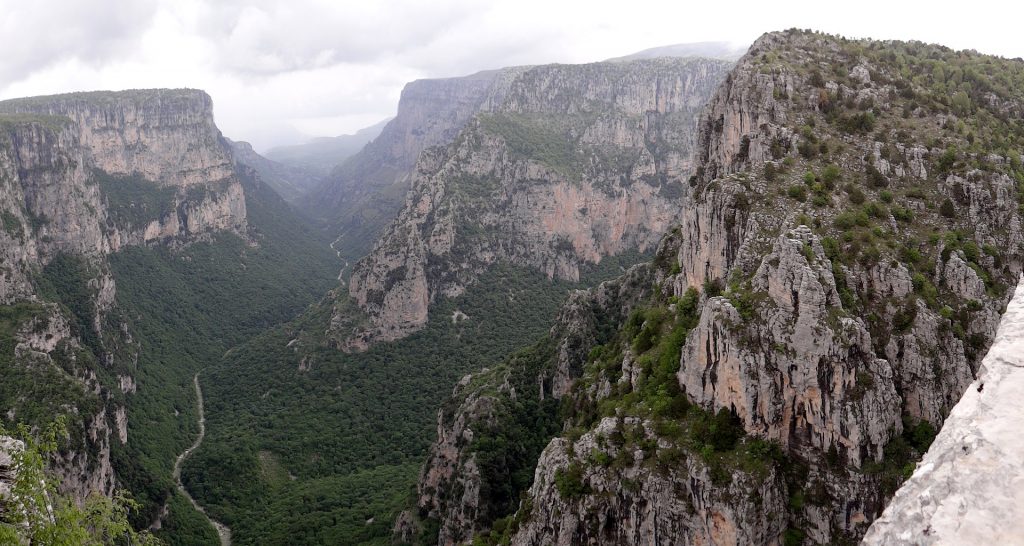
969,488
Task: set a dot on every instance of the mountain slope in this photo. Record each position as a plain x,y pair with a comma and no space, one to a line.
835,279
362,195
576,163
86,175
974,462
321,155
188,307
709,50
290,416
289,181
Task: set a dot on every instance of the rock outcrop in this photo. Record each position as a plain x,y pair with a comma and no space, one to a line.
836,276
969,487
102,170
575,163
640,504
9,448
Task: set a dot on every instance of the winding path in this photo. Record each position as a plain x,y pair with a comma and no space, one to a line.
338,252
222,530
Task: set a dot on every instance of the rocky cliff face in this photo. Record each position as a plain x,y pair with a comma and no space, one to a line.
363,194
140,166
9,448
836,276
575,163
81,176
968,487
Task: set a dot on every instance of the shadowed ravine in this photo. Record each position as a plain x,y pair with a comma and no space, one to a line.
222,530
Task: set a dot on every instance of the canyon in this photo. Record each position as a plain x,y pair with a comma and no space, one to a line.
652,300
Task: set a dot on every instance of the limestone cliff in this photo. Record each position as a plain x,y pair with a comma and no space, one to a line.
82,176
968,488
362,195
575,163
836,275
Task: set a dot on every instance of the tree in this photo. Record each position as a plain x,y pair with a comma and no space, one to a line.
37,514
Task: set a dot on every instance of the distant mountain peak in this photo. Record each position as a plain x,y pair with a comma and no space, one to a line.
726,51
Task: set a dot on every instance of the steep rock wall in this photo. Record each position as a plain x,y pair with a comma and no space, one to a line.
577,163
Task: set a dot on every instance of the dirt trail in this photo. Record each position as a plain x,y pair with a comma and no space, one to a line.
222,530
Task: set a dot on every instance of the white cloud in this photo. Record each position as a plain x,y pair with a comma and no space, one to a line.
283,70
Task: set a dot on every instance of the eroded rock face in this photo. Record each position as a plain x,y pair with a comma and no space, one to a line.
9,448
69,154
793,375
969,488
165,136
574,164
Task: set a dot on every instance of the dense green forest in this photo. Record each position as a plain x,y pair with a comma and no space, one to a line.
186,308
316,446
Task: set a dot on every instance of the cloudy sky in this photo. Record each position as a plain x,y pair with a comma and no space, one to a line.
281,71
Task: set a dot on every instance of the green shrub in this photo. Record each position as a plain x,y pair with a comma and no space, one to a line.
720,431
793,537
851,219
857,196
905,316
947,209
902,214
971,251
921,435
798,193
11,224
569,481
831,174
947,160
807,149
875,177
713,287
860,123
875,210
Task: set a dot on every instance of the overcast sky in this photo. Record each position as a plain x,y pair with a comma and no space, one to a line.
281,71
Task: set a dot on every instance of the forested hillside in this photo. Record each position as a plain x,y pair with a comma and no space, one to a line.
187,308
